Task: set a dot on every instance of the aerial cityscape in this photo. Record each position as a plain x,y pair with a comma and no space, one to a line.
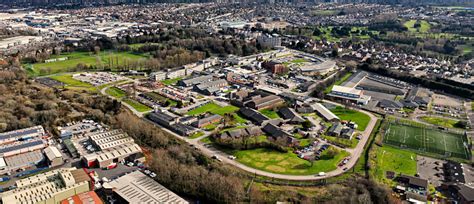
269,101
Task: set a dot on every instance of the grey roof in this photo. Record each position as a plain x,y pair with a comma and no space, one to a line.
19,133
466,192
290,114
416,181
275,131
347,131
253,115
196,80
385,103
21,146
335,128
323,111
207,119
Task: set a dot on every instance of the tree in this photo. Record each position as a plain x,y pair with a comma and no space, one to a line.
306,124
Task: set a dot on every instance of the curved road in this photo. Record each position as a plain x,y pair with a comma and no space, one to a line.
355,154
211,151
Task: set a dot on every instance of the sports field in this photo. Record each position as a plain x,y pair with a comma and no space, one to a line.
427,140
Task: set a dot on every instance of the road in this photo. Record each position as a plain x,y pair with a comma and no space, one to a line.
355,154
211,151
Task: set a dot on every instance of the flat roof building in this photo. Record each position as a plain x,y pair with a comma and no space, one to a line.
348,93
49,187
12,136
137,187
54,156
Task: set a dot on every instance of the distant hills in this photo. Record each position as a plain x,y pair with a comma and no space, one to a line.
109,2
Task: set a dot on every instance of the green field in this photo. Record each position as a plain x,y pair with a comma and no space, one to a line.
427,140
361,119
286,163
87,58
115,92
424,26
171,81
393,159
137,105
443,122
269,113
213,108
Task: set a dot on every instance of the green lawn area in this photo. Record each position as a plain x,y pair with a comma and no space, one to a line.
443,122
393,159
269,113
115,92
139,45
71,83
137,105
171,81
361,119
424,26
232,128
104,58
342,141
324,12
286,163
214,109
196,135
338,82
299,60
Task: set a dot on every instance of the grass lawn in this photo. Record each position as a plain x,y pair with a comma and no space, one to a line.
71,83
139,45
444,122
299,60
286,163
324,12
269,113
361,119
424,26
87,58
206,140
393,159
214,109
338,82
196,135
343,142
137,105
115,92
232,128
171,81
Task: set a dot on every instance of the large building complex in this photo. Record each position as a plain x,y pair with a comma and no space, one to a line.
137,187
106,148
349,94
49,187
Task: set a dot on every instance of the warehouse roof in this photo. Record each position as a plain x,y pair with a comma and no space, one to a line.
21,146
137,187
324,112
52,152
22,132
344,89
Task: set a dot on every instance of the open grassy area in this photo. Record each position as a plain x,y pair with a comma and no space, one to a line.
443,122
427,140
392,159
338,82
71,83
286,163
115,92
137,105
269,113
342,141
325,12
87,58
361,119
214,109
424,26
196,135
171,81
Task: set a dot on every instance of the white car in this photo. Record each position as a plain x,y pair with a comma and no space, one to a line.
232,157
152,175
129,164
147,171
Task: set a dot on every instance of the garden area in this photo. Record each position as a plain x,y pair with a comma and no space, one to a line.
361,119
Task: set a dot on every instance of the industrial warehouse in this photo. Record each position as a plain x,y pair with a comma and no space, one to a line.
21,149
102,149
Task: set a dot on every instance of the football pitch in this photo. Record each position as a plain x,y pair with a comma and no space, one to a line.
427,140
